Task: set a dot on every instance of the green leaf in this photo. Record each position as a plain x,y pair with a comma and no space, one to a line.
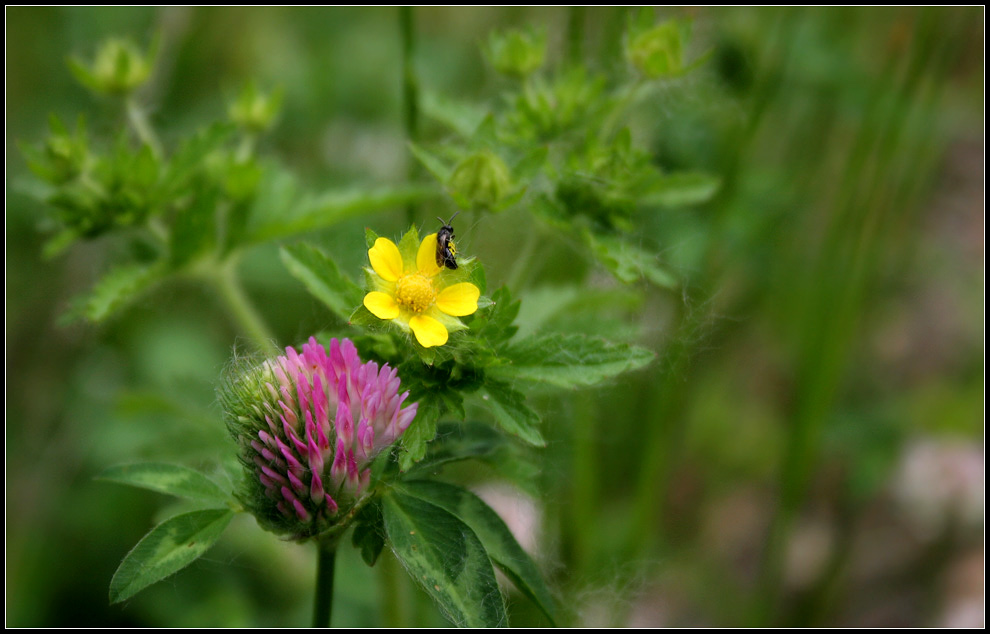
369,532
115,290
682,189
319,273
83,75
460,116
168,478
511,412
530,164
495,325
370,237
433,163
194,228
569,360
444,556
495,536
166,549
629,263
195,156
422,430
281,212
459,441
59,243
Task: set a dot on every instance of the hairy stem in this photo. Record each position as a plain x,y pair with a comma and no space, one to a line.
326,554
394,603
138,119
242,310
410,93
575,35
522,262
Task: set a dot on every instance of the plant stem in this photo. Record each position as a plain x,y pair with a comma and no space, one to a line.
585,503
410,93
241,309
139,122
323,601
522,262
394,604
575,35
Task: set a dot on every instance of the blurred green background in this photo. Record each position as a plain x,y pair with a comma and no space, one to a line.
806,450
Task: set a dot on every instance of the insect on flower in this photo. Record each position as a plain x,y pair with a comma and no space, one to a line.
445,244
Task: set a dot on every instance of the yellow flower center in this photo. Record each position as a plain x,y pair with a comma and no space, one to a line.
415,292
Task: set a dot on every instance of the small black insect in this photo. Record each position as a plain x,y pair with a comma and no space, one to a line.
445,244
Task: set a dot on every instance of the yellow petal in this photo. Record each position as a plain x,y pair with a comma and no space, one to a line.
426,257
429,332
381,305
386,259
459,300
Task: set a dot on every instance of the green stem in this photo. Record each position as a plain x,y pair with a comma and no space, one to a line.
410,93
241,309
139,121
585,504
522,261
394,595
323,601
575,35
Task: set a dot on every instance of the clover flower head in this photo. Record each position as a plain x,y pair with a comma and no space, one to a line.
309,426
412,291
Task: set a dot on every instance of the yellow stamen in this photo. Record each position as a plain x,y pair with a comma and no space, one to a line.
415,292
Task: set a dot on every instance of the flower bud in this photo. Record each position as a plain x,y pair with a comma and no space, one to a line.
480,180
516,53
656,52
63,156
254,110
118,68
308,427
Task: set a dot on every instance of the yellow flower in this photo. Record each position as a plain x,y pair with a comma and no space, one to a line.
415,293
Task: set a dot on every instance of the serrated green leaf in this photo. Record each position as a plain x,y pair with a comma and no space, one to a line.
369,532
83,75
460,116
59,243
573,309
433,163
191,158
485,136
569,360
117,287
530,164
194,229
319,273
422,430
628,262
511,412
166,549
446,558
282,211
495,536
496,325
370,237
682,189
168,478
459,441
363,317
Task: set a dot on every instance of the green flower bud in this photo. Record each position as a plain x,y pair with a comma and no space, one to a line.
656,52
480,180
254,110
516,53
63,155
118,68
